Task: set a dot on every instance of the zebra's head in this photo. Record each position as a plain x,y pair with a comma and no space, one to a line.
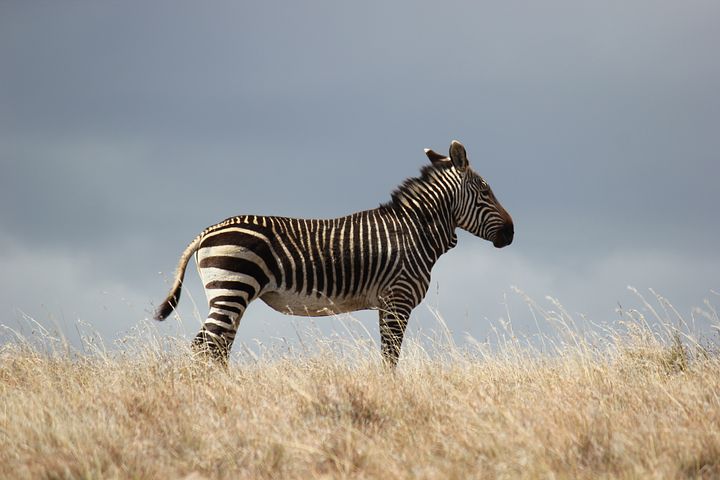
476,209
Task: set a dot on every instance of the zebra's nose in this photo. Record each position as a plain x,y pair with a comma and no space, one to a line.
505,235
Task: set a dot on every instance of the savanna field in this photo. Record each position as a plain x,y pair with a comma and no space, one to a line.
640,399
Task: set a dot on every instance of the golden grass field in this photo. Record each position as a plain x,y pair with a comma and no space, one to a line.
632,402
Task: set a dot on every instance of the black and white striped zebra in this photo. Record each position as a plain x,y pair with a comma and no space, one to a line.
377,259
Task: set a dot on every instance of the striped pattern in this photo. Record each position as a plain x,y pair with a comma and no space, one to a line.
377,259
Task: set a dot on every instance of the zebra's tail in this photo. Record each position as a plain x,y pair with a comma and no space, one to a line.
171,301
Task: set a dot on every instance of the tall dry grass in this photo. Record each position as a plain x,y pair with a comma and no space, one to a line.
640,400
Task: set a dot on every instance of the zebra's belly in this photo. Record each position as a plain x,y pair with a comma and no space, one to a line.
292,303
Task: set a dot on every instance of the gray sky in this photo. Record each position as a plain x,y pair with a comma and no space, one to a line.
127,127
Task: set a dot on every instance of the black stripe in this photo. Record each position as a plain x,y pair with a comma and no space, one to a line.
346,258
337,261
238,265
364,253
229,237
372,250
373,231
278,244
256,245
226,308
307,235
317,252
220,317
229,299
218,329
356,252
295,248
327,249
231,285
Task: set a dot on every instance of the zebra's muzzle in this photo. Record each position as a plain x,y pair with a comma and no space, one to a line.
504,236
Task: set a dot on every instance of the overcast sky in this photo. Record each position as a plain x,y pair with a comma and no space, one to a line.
127,127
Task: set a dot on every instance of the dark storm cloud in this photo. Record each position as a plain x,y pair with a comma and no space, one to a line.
126,128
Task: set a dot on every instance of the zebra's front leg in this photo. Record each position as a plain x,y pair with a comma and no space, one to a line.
393,322
217,334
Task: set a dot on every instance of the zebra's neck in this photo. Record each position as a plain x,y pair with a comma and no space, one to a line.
427,203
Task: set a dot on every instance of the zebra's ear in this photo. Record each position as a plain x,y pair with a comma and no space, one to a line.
458,155
435,157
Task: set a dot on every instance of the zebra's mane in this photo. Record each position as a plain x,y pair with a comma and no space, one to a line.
406,188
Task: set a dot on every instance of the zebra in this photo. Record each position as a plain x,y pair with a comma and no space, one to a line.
377,259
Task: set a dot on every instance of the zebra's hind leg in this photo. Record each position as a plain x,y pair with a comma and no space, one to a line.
217,334
393,321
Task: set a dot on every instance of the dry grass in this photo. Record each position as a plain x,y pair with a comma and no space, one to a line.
630,403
